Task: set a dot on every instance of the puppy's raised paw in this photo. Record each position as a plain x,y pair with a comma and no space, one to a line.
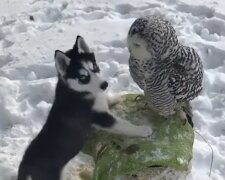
115,98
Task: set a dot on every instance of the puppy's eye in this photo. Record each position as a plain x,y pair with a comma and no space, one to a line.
83,77
83,72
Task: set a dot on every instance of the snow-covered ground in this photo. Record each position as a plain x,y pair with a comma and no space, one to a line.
31,30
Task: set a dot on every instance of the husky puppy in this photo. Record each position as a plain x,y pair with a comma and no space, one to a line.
78,105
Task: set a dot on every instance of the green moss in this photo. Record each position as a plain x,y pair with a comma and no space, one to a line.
117,155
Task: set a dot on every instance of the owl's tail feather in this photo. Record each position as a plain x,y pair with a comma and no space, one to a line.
188,111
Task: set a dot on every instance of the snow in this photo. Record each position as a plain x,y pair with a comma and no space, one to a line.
31,30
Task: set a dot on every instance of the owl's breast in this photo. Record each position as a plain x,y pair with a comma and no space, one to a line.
140,71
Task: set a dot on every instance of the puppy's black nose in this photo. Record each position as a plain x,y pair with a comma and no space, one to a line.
104,85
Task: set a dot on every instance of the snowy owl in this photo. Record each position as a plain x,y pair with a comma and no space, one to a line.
169,73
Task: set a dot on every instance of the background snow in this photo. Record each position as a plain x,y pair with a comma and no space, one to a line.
31,30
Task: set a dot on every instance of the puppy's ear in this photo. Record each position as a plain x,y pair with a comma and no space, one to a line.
61,62
81,46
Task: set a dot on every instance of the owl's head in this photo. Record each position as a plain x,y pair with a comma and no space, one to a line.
151,37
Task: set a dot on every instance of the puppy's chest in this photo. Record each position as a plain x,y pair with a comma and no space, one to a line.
100,103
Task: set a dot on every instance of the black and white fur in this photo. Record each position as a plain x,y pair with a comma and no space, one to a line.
79,103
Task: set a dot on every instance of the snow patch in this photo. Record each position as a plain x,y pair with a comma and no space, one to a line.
31,31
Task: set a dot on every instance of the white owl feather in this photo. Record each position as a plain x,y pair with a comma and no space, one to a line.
169,73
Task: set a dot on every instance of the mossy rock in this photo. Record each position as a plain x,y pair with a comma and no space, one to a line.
168,149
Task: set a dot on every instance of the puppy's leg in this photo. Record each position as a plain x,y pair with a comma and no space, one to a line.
116,125
114,98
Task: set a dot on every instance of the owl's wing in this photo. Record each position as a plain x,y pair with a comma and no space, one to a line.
185,81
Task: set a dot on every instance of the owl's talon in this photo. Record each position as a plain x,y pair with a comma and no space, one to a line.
138,98
185,122
146,106
187,118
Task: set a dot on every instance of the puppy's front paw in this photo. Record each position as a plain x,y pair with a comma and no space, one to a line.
115,98
145,131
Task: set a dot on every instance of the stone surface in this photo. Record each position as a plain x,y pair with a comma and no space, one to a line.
165,155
